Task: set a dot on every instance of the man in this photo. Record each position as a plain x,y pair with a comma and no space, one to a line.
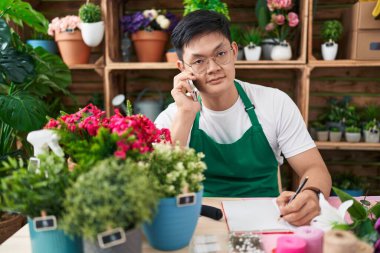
241,128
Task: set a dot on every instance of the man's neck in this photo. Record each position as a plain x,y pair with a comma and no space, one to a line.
222,101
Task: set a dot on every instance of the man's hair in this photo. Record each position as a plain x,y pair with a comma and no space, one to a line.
198,23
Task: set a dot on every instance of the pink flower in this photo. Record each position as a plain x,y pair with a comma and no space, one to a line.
269,27
279,19
293,19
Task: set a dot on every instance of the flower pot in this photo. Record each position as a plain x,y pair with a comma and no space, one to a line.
171,56
149,46
48,45
92,33
371,137
133,244
329,51
352,137
281,52
10,225
252,53
172,227
335,136
267,46
53,241
72,48
322,135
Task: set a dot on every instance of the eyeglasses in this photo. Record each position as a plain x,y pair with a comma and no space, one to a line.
200,65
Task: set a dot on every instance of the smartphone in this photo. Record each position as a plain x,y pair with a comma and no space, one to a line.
194,91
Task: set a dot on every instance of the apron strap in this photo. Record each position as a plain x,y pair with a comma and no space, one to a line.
249,107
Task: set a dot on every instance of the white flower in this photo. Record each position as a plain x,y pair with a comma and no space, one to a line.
151,14
330,216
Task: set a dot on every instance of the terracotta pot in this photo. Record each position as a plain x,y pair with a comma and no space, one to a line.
150,46
72,47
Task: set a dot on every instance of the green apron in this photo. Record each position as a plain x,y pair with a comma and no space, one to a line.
245,168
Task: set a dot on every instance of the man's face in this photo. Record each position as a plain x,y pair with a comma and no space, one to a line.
211,57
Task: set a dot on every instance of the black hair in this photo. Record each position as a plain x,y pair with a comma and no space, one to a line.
198,23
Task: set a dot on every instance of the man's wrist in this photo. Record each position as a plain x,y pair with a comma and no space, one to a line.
316,190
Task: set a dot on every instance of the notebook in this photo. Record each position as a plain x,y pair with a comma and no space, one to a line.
259,214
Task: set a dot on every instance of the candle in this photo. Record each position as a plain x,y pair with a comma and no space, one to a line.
291,244
313,237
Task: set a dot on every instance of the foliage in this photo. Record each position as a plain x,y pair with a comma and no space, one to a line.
114,193
213,5
331,30
282,19
68,23
237,34
31,190
176,168
372,126
348,181
90,13
149,20
319,126
363,216
253,37
352,129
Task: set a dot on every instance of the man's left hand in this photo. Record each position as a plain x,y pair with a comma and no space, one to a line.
301,210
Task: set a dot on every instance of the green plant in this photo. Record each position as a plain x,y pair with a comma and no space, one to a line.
352,129
214,5
31,190
335,130
90,13
348,181
237,34
253,37
331,30
115,193
176,168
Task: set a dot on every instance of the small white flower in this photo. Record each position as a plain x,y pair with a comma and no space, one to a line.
330,216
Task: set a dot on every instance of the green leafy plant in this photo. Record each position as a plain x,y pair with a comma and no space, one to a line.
176,168
237,34
31,190
331,30
214,5
90,13
363,216
253,37
352,129
115,193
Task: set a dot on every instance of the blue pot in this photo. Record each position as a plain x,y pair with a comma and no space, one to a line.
53,241
353,193
173,227
48,45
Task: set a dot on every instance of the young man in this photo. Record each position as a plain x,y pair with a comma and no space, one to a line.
241,128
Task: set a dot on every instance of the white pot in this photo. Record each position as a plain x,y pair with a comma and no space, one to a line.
329,51
92,33
322,135
371,137
335,136
252,53
267,46
353,137
281,52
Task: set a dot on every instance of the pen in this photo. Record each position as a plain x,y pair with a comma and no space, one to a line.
299,189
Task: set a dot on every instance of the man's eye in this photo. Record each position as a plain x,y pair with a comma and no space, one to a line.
198,62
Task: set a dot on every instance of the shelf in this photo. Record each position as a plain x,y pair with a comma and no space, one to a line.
327,145
343,63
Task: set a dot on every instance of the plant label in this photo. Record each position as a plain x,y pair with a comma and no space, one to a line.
111,238
187,199
45,223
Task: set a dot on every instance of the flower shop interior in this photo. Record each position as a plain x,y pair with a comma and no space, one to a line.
76,76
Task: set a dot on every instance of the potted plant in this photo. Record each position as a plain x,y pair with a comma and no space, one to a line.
149,30
92,26
237,34
335,134
178,171
69,39
39,192
352,134
43,40
252,41
281,23
322,131
214,5
371,132
331,32
349,183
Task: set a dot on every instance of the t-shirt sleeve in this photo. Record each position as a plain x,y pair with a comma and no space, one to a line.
292,135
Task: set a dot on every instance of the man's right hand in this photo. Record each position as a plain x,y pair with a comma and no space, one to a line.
184,103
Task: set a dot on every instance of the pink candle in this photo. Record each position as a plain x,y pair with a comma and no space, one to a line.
313,237
290,244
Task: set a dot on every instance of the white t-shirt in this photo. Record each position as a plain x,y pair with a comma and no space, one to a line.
278,115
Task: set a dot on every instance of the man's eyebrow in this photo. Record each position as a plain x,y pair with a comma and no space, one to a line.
200,55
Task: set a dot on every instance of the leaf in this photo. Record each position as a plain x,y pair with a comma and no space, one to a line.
375,210
357,211
22,111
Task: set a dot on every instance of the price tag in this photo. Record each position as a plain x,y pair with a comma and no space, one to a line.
45,223
187,199
111,238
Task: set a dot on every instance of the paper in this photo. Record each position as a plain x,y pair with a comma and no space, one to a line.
259,214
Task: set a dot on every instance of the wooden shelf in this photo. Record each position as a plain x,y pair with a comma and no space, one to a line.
343,63
327,145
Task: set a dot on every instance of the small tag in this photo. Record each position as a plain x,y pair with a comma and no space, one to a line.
34,163
111,238
187,199
45,223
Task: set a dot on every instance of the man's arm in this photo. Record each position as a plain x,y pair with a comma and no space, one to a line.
306,206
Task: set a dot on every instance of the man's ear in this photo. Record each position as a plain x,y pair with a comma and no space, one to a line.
180,65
